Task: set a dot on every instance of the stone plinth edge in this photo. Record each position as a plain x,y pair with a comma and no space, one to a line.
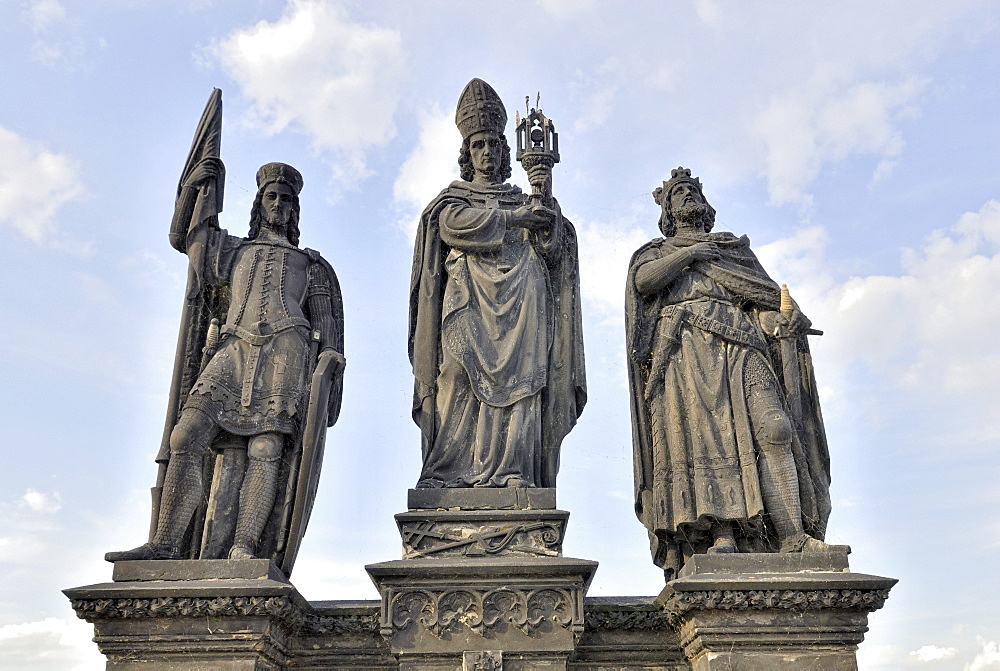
749,611
482,498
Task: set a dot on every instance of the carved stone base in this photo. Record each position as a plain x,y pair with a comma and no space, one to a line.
226,615
482,533
514,613
218,614
772,611
529,609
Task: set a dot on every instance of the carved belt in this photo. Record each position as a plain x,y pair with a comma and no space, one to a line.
725,331
265,333
671,319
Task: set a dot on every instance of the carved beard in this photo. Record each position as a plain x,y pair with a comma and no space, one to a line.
273,223
690,216
492,173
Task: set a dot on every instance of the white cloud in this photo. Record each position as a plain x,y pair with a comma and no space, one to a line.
34,184
50,644
933,653
43,13
988,657
605,250
326,576
873,657
429,167
709,11
824,87
928,330
40,502
828,121
316,72
48,54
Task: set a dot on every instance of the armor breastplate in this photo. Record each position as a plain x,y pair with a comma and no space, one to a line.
268,286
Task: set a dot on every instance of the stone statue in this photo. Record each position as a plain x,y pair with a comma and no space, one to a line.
252,397
495,335
729,446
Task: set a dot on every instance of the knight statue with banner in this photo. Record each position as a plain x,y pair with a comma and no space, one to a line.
257,376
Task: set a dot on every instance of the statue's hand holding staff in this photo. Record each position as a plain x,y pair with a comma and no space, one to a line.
540,178
535,217
208,169
780,325
330,363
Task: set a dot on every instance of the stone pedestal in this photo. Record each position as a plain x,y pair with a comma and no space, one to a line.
529,610
214,614
482,583
772,611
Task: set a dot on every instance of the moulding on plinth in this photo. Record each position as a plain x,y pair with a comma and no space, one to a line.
482,498
480,533
627,633
774,611
223,614
436,610
220,614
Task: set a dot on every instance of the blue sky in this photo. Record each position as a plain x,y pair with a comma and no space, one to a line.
856,143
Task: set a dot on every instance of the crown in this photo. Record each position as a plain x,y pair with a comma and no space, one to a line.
479,108
678,175
279,172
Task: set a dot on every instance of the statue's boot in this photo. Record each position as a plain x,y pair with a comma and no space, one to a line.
260,486
143,552
182,491
805,543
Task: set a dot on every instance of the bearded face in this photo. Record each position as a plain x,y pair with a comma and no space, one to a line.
687,206
277,202
689,215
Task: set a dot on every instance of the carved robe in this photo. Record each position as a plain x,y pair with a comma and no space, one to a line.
495,341
697,357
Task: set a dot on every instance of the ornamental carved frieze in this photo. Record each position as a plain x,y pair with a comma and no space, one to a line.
626,620
864,600
316,625
279,607
483,610
282,609
424,538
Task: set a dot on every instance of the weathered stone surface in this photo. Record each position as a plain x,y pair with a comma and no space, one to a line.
703,565
257,376
218,621
495,327
728,441
480,533
771,619
435,610
626,633
482,498
210,569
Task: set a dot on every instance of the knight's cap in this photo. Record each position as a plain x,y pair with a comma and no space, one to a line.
479,108
678,175
279,172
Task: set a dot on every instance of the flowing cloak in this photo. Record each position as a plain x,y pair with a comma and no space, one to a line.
280,380
692,444
445,286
